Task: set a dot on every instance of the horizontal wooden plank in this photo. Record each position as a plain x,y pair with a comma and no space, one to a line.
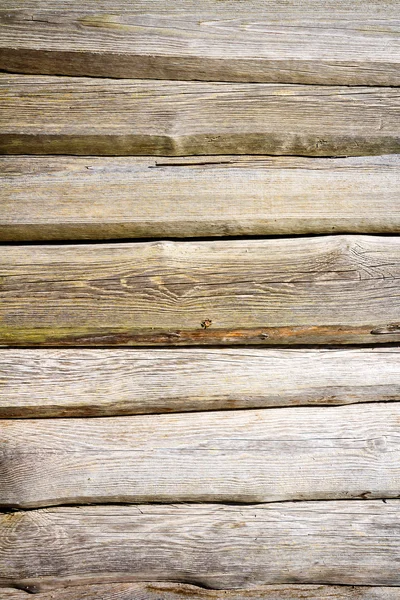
306,453
86,116
334,289
181,591
50,198
85,382
216,546
265,41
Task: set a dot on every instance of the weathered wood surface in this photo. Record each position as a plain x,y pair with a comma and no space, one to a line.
50,198
336,289
84,116
85,382
306,453
180,591
216,546
293,42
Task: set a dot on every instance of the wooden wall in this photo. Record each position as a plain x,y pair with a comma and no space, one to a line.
199,300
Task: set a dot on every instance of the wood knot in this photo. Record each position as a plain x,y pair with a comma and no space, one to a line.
30,588
206,323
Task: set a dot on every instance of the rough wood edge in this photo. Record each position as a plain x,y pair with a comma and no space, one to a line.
179,591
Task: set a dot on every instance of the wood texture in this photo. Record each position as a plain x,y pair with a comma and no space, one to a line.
50,198
179,591
64,115
84,382
306,453
336,289
216,546
328,42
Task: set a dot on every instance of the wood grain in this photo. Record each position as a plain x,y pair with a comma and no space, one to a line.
216,546
328,42
86,116
60,198
100,382
308,453
335,289
180,591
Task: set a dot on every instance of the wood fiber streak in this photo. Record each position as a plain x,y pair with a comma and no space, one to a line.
307,453
180,591
99,382
86,116
215,546
328,42
335,289
51,198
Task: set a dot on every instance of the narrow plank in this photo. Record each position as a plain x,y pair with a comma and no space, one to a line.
60,198
86,116
180,591
83,382
309,453
334,289
216,546
263,41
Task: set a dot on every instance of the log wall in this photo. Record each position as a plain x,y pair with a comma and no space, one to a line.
199,300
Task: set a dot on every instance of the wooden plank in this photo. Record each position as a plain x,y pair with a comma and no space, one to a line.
86,116
100,382
180,591
308,453
216,546
334,289
328,42
50,198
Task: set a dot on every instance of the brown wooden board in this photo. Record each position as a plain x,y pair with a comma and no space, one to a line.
215,546
335,289
101,382
307,453
86,116
324,42
60,198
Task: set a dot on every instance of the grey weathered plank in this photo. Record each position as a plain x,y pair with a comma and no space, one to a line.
84,116
85,382
327,42
306,453
50,198
216,546
180,591
336,289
